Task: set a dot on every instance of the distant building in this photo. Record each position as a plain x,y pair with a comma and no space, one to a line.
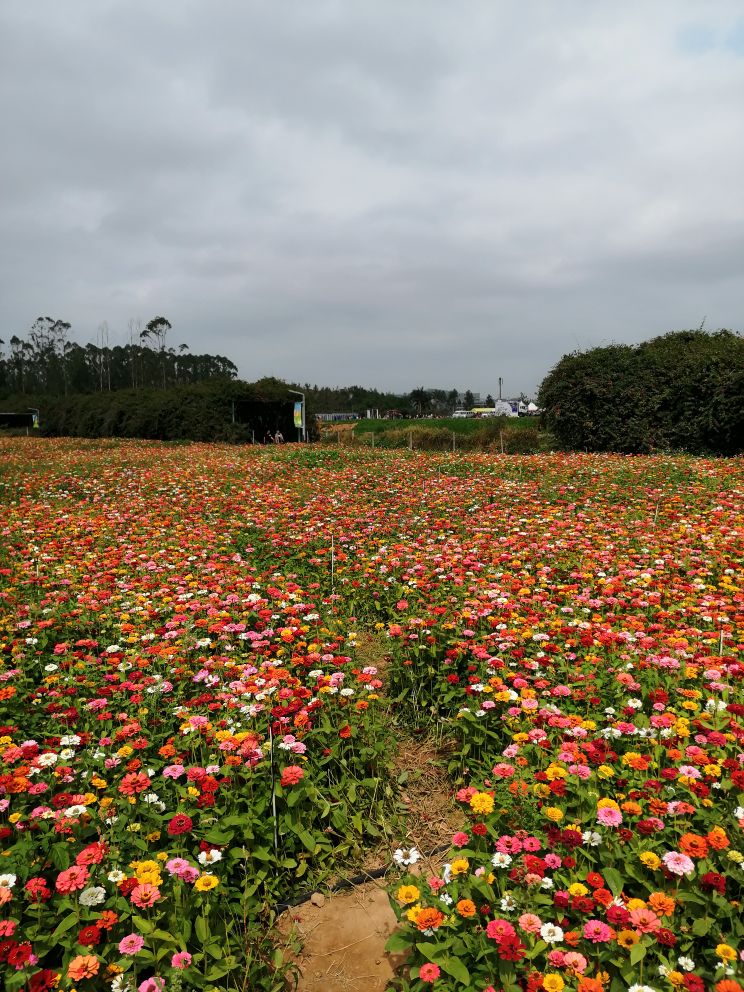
336,418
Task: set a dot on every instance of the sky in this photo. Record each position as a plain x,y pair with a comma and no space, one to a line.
389,193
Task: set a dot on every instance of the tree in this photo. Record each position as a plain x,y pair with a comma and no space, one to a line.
490,401
157,330
469,400
680,391
420,399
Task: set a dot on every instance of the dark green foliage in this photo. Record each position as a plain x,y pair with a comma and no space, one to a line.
226,411
683,391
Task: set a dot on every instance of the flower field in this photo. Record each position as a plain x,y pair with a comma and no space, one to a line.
191,730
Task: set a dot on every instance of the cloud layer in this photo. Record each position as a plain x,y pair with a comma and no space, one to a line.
384,193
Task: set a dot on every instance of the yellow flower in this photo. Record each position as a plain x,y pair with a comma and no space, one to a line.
675,978
577,889
726,952
414,912
635,904
481,802
14,817
554,772
459,866
607,804
604,771
553,983
407,894
626,938
541,790
554,814
206,882
650,860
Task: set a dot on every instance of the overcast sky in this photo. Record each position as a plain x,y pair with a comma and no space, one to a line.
391,193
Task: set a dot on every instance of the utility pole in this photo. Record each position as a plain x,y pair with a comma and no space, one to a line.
500,381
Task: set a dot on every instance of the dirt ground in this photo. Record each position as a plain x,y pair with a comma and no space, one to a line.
344,941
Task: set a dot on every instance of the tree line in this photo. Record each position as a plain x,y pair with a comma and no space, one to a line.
683,391
47,362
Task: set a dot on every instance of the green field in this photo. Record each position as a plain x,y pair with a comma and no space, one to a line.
460,425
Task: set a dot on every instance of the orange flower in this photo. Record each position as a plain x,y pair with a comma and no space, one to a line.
728,985
429,919
590,985
717,839
661,903
572,938
693,845
466,908
83,966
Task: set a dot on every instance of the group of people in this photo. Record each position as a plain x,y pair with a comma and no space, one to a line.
276,438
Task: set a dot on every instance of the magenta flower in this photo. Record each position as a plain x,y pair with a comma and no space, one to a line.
131,944
597,931
181,960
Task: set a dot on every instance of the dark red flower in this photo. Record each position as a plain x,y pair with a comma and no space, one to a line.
180,824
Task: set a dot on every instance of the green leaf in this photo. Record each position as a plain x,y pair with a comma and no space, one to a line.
702,926
144,926
397,943
164,936
614,880
67,924
637,953
455,968
202,929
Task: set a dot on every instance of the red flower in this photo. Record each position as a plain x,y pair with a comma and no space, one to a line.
180,824
291,775
345,732
89,936
511,949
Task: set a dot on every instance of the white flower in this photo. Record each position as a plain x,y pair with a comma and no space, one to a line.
641,988
116,876
209,857
69,740
446,899
686,964
92,896
76,810
47,759
546,883
592,838
551,933
507,904
406,857
500,860
8,880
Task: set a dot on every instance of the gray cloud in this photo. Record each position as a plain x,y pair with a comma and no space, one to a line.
376,192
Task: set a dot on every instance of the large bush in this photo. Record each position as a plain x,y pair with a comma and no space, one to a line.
682,391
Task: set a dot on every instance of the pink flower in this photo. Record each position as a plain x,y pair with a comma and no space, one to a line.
72,879
597,931
609,817
678,864
530,923
497,929
181,960
429,972
575,961
460,839
144,895
176,865
152,985
131,944
645,920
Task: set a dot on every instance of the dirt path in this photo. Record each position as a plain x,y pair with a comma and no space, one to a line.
343,937
344,941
